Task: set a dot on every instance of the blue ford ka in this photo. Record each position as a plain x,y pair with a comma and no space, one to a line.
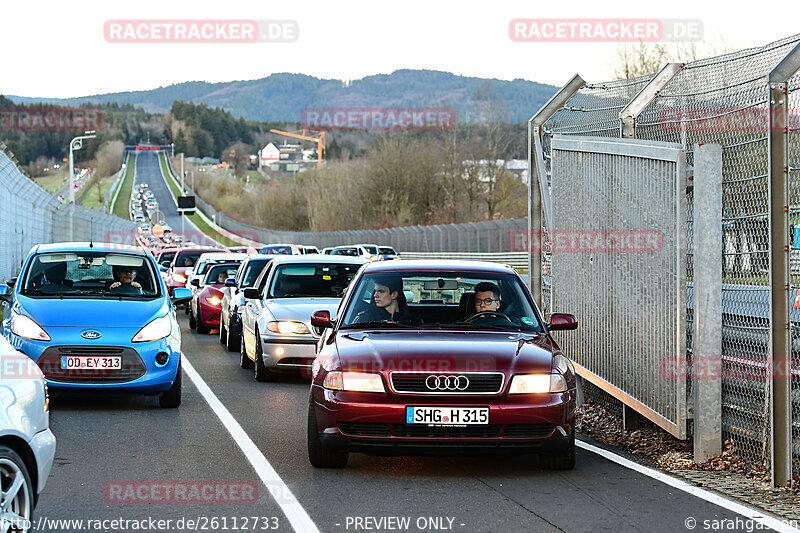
97,316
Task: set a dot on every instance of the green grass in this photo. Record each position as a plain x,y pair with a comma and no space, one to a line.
195,219
122,207
91,200
53,182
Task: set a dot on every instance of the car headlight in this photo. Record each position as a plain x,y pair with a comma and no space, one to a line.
156,329
214,301
537,383
178,278
26,327
286,327
354,381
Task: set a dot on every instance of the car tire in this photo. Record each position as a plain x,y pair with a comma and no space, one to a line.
244,361
222,331
13,467
260,371
317,454
563,460
232,341
172,398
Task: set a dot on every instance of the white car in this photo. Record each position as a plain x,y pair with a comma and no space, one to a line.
27,446
281,249
208,259
356,250
277,335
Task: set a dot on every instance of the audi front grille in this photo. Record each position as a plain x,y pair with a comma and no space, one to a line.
447,382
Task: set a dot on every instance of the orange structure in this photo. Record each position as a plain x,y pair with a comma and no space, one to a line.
319,138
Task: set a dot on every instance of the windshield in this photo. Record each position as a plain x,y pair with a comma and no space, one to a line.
166,258
282,250
187,259
345,251
388,251
321,280
95,274
219,273
252,271
372,249
442,299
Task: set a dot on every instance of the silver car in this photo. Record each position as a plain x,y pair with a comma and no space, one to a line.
27,446
276,319
230,321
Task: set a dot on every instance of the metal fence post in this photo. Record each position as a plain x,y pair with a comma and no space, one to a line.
780,327
629,114
538,188
707,354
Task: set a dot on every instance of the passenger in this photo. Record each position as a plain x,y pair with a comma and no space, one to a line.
487,297
222,277
124,276
390,304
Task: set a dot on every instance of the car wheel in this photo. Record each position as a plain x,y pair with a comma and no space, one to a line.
222,335
564,460
244,361
192,321
232,341
172,398
17,489
317,454
261,372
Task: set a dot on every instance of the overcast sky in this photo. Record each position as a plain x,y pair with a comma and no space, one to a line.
58,49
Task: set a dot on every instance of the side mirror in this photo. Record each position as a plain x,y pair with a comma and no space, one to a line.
195,282
230,282
562,321
162,267
321,319
252,294
11,283
181,295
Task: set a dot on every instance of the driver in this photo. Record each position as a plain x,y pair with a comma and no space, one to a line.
487,297
124,276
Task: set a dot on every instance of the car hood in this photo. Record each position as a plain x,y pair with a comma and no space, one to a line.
96,313
300,308
440,351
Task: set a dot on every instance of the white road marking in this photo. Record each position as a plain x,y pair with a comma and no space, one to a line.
771,522
280,492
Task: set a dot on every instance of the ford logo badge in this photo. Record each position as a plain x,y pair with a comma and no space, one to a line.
91,334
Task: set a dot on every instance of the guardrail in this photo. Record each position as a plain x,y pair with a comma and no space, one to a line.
518,260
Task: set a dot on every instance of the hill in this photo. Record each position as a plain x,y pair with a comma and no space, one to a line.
282,97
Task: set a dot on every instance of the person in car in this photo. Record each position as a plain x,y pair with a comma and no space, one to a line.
389,305
487,297
222,277
124,276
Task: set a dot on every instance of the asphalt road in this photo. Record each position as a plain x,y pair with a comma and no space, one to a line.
148,170
109,441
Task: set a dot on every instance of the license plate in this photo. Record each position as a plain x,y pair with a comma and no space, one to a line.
81,362
448,416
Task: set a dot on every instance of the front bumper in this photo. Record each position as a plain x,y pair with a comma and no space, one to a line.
289,354
375,424
152,378
210,315
43,445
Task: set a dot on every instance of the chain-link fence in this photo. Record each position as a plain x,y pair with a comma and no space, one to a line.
722,100
30,215
491,236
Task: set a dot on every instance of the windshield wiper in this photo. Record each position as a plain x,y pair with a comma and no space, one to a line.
467,325
379,324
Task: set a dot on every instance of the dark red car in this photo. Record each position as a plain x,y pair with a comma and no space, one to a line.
412,365
206,304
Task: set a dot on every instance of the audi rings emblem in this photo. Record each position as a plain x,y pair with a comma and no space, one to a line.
447,383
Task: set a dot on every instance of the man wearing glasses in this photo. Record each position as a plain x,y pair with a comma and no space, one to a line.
487,297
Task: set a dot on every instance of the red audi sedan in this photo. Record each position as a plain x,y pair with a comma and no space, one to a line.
445,357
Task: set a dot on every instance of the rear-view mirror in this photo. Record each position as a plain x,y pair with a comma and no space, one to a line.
252,294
